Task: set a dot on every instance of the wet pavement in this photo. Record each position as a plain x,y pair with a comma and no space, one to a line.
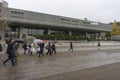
32,67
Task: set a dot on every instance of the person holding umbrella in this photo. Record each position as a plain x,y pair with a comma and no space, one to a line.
11,52
31,49
41,47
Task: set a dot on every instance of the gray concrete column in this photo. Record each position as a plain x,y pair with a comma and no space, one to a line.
99,36
48,31
20,33
2,33
96,36
70,32
86,34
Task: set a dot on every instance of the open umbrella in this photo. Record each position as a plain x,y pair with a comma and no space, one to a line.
45,41
19,40
37,41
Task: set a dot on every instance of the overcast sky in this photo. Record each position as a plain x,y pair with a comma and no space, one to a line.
95,10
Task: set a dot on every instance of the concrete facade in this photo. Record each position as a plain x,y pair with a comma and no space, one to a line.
34,20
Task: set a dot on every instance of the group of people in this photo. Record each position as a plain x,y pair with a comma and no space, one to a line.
29,49
12,50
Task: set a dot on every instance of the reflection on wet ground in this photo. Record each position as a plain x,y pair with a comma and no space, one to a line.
32,67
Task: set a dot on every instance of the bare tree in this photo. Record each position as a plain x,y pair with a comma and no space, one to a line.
3,26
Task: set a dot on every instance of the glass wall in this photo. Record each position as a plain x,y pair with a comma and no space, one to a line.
14,32
11,32
32,31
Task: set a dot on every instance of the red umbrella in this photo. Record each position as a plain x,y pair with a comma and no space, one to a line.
45,41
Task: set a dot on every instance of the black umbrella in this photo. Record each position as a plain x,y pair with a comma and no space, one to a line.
19,40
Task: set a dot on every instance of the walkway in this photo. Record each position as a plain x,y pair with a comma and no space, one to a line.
32,67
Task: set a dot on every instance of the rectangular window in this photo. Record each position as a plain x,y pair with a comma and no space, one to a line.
17,12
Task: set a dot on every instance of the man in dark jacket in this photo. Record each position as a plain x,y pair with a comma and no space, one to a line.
25,47
11,52
53,48
71,47
48,47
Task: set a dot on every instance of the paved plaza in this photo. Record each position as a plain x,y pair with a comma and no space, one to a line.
83,64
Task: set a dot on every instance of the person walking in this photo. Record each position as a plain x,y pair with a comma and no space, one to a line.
71,47
48,47
53,48
31,49
25,47
43,46
98,45
10,52
40,49
1,48
16,46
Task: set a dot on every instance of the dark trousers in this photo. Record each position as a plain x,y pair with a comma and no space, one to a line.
49,52
25,50
31,53
54,50
71,48
41,52
10,57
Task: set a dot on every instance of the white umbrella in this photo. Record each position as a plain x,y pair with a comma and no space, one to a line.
37,41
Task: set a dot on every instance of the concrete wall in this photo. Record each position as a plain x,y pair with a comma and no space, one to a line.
35,18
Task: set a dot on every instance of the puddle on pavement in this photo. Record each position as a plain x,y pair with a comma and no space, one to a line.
47,66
